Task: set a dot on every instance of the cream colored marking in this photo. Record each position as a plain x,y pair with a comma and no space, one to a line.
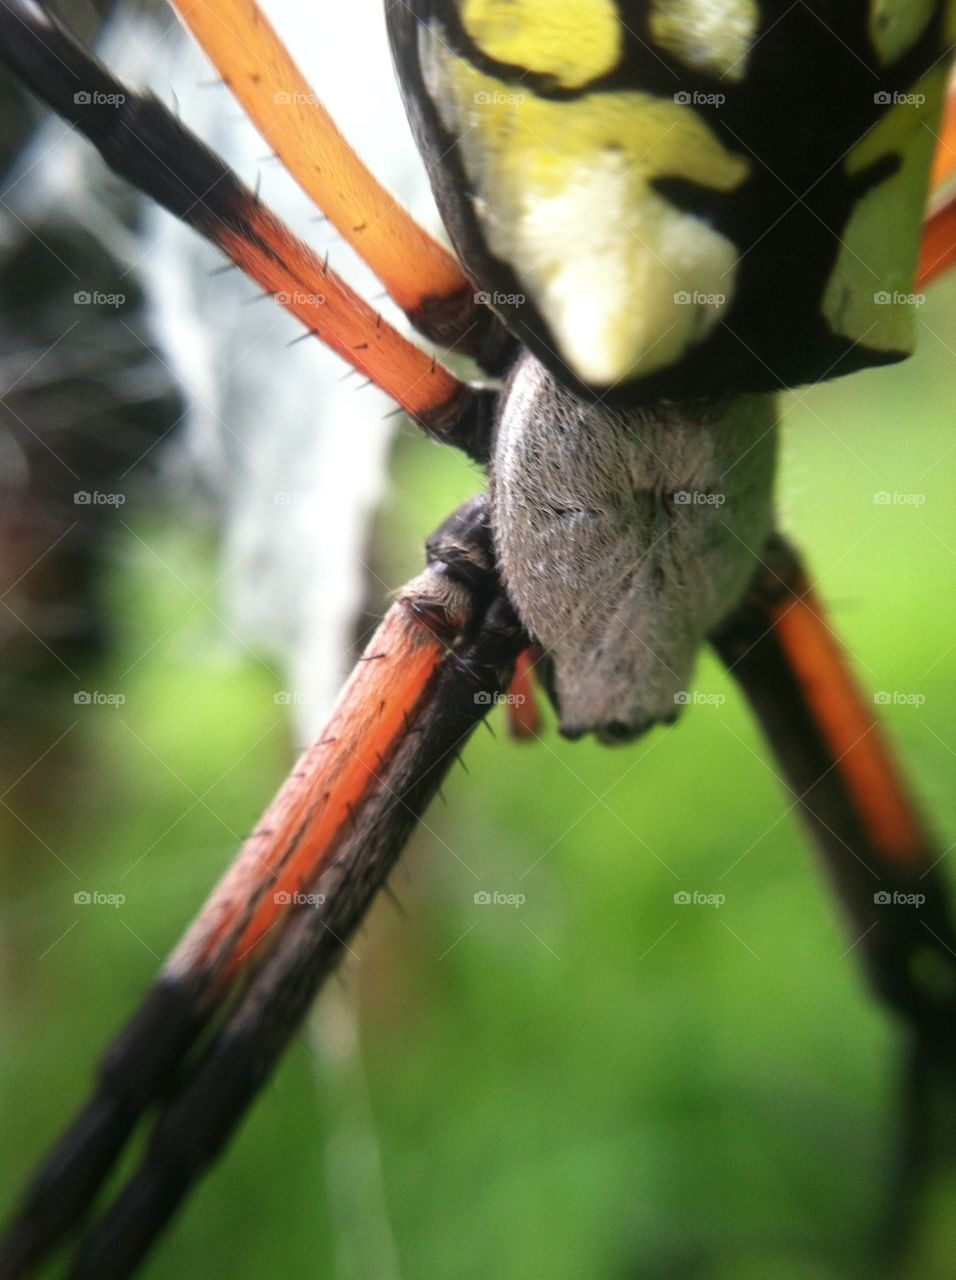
572,40
896,25
624,280
869,295
712,36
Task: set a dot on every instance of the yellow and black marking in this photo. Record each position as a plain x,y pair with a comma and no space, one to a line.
684,197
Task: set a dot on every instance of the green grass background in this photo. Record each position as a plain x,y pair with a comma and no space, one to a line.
597,1085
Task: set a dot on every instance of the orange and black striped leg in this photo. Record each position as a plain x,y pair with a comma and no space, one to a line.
421,276
836,761
146,144
839,768
276,924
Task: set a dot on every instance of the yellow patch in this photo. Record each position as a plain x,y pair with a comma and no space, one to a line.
896,25
712,36
625,281
869,296
573,41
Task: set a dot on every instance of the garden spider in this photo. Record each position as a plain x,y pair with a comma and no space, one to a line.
333,834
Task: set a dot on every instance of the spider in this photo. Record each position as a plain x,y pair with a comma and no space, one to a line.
630,449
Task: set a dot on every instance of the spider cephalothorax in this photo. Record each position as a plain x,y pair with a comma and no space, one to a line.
624,536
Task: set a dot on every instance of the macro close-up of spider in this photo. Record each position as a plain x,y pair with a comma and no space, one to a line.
688,558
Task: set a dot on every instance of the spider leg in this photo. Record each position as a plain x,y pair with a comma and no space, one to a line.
146,144
938,246
273,930
422,277
838,766
944,159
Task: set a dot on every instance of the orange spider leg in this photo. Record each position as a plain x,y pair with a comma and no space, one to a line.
524,715
338,316
938,247
944,158
848,726
275,926
836,764
423,278
147,145
291,844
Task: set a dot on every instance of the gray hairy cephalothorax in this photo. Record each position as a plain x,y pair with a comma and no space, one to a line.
625,536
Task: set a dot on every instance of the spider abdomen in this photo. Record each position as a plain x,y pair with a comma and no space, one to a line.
624,536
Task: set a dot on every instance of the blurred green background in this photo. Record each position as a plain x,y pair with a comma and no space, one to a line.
597,1084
